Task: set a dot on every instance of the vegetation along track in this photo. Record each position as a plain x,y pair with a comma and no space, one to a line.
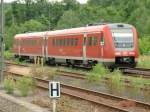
111,102
135,72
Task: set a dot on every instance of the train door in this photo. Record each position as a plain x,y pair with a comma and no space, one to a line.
45,45
93,46
84,48
19,46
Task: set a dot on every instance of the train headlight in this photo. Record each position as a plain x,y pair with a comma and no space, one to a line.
118,53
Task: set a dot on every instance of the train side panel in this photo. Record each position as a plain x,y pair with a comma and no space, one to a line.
136,52
67,47
31,46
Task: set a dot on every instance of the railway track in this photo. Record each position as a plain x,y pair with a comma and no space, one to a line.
135,72
143,72
12,63
71,74
80,76
106,100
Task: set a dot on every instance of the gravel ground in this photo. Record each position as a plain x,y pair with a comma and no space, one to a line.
64,104
103,87
17,69
67,104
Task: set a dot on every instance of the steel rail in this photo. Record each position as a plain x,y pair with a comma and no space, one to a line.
71,74
137,72
88,95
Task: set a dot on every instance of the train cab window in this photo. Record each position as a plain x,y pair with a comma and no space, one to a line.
76,41
95,41
90,41
53,42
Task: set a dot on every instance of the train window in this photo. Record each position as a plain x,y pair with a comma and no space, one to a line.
60,42
35,42
53,42
24,42
64,41
56,41
72,42
95,41
90,41
68,41
102,41
76,41
31,42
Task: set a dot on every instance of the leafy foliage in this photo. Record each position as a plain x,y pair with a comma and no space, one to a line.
38,15
98,72
69,17
8,55
24,85
115,80
144,45
144,61
9,85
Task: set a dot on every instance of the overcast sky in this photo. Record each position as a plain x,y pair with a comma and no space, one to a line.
81,1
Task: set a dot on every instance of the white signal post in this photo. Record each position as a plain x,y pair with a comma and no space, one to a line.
54,93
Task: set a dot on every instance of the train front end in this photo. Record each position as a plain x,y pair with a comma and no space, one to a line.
125,42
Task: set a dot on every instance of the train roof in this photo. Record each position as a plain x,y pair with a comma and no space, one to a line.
76,30
33,34
61,32
87,29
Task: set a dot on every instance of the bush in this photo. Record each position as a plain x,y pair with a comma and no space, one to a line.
137,83
99,69
115,80
97,73
144,45
9,85
24,85
8,55
92,77
51,73
17,61
144,61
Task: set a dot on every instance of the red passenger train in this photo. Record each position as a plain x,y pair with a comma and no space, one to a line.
114,44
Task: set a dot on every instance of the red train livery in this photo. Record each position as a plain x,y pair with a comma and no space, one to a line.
111,44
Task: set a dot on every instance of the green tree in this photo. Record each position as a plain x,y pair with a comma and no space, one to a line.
68,20
11,31
70,4
144,45
32,25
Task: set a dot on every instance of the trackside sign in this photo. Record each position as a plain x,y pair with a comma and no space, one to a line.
54,89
